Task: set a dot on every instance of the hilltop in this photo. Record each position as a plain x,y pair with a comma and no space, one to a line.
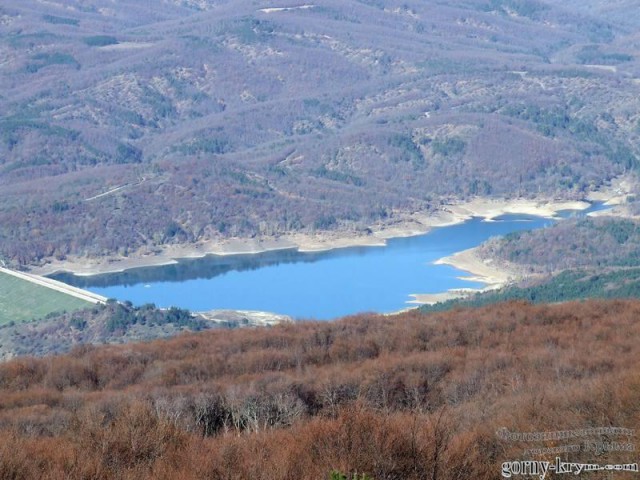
127,129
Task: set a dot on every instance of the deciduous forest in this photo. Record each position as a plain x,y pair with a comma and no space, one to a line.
410,397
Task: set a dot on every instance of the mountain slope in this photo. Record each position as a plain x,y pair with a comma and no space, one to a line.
125,128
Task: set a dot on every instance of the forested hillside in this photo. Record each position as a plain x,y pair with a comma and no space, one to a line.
568,285
59,332
127,127
578,258
408,397
115,323
600,243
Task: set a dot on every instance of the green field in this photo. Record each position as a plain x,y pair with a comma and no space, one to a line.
21,300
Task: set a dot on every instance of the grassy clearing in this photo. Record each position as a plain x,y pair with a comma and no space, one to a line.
21,300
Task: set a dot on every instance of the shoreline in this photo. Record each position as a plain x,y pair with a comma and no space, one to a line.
481,271
497,276
404,224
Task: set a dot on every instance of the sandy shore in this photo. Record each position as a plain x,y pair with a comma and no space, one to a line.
433,298
482,271
167,255
244,318
616,197
401,225
615,194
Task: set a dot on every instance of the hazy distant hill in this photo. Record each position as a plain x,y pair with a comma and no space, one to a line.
125,126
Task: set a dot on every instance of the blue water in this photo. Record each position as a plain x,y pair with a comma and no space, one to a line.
311,285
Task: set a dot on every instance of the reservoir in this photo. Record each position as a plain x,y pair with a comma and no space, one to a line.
319,285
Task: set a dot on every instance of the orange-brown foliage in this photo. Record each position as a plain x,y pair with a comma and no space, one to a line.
408,397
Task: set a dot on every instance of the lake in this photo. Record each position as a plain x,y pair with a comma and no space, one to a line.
320,285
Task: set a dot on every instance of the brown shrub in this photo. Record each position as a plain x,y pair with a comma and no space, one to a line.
405,397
